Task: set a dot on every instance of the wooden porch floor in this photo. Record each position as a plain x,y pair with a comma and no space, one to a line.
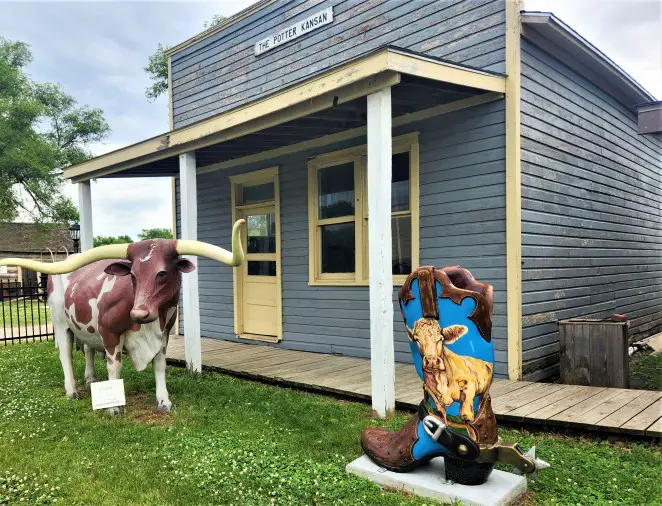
612,410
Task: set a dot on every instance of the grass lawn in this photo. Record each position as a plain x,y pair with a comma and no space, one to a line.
231,441
16,314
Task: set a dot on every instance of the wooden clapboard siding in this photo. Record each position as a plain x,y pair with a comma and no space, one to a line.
591,215
607,410
462,221
221,71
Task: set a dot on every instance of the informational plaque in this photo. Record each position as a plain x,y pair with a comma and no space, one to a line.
294,31
108,394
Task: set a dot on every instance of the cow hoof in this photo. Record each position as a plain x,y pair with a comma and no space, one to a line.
115,412
89,381
164,407
74,396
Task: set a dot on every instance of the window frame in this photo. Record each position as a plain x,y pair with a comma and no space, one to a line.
358,155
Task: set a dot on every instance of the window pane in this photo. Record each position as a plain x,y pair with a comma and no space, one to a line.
336,191
401,233
400,182
261,233
259,193
261,268
338,247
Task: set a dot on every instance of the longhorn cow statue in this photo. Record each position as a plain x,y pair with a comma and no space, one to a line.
122,298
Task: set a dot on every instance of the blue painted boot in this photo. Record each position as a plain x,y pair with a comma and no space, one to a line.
448,315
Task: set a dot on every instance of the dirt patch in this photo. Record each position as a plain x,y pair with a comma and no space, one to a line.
141,408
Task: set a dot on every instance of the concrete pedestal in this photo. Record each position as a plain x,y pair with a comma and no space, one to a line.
429,481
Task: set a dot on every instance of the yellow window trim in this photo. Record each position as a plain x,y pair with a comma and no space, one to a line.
357,154
252,179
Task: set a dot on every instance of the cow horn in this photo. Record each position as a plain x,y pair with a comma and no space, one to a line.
111,251
234,258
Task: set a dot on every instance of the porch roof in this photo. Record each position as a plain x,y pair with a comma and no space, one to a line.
330,103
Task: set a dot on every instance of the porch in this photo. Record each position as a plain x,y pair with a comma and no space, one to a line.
613,411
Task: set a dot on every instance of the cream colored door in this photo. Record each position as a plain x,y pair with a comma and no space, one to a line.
259,273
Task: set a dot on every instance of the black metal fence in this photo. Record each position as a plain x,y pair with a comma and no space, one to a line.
24,313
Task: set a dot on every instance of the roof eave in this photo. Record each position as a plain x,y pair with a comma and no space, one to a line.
549,25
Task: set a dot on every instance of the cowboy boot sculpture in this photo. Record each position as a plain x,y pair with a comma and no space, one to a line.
448,315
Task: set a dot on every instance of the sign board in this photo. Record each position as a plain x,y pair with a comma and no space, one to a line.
108,394
298,29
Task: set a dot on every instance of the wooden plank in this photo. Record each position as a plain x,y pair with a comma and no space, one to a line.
526,410
524,396
640,422
631,409
330,368
573,412
505,387
564,403
655,429
292,365
602,410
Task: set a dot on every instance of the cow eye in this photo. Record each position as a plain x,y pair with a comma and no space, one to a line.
160,274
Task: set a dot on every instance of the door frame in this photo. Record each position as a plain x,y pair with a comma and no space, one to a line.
236,182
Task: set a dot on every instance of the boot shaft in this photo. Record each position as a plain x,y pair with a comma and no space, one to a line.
448,315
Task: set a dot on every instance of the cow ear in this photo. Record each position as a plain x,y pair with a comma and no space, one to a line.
453,333
184,265
118,268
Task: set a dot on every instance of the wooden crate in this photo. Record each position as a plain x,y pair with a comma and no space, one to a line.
594,352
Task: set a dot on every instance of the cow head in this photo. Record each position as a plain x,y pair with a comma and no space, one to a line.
154,266
430,339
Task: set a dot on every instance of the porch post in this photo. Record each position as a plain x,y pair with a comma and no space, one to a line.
382,360
189,205
85,212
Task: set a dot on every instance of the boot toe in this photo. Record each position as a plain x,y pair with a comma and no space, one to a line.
392,450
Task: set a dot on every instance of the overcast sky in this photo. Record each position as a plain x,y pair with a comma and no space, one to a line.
97,51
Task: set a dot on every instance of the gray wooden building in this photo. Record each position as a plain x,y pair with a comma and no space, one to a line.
499,139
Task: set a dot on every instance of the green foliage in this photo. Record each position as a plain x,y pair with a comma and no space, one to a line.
42,130
157,65
209,451
157,70
101,240
646,370
155,233
216,19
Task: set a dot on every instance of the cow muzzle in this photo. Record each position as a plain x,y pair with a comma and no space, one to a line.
141,315
433,362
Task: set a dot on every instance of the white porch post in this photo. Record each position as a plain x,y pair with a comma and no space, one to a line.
189,205
379,237
85,211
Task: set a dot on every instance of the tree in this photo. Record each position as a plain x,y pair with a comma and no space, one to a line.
155,233
157,65
42,130
102,240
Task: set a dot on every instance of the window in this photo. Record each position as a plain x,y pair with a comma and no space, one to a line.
338,214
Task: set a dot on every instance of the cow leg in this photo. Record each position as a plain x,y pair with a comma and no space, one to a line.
467,405
163,403
65,344
114,366
89,365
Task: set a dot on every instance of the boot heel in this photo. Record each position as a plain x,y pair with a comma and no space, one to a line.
466,472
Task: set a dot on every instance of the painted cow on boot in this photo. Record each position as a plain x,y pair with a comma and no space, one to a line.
122,297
